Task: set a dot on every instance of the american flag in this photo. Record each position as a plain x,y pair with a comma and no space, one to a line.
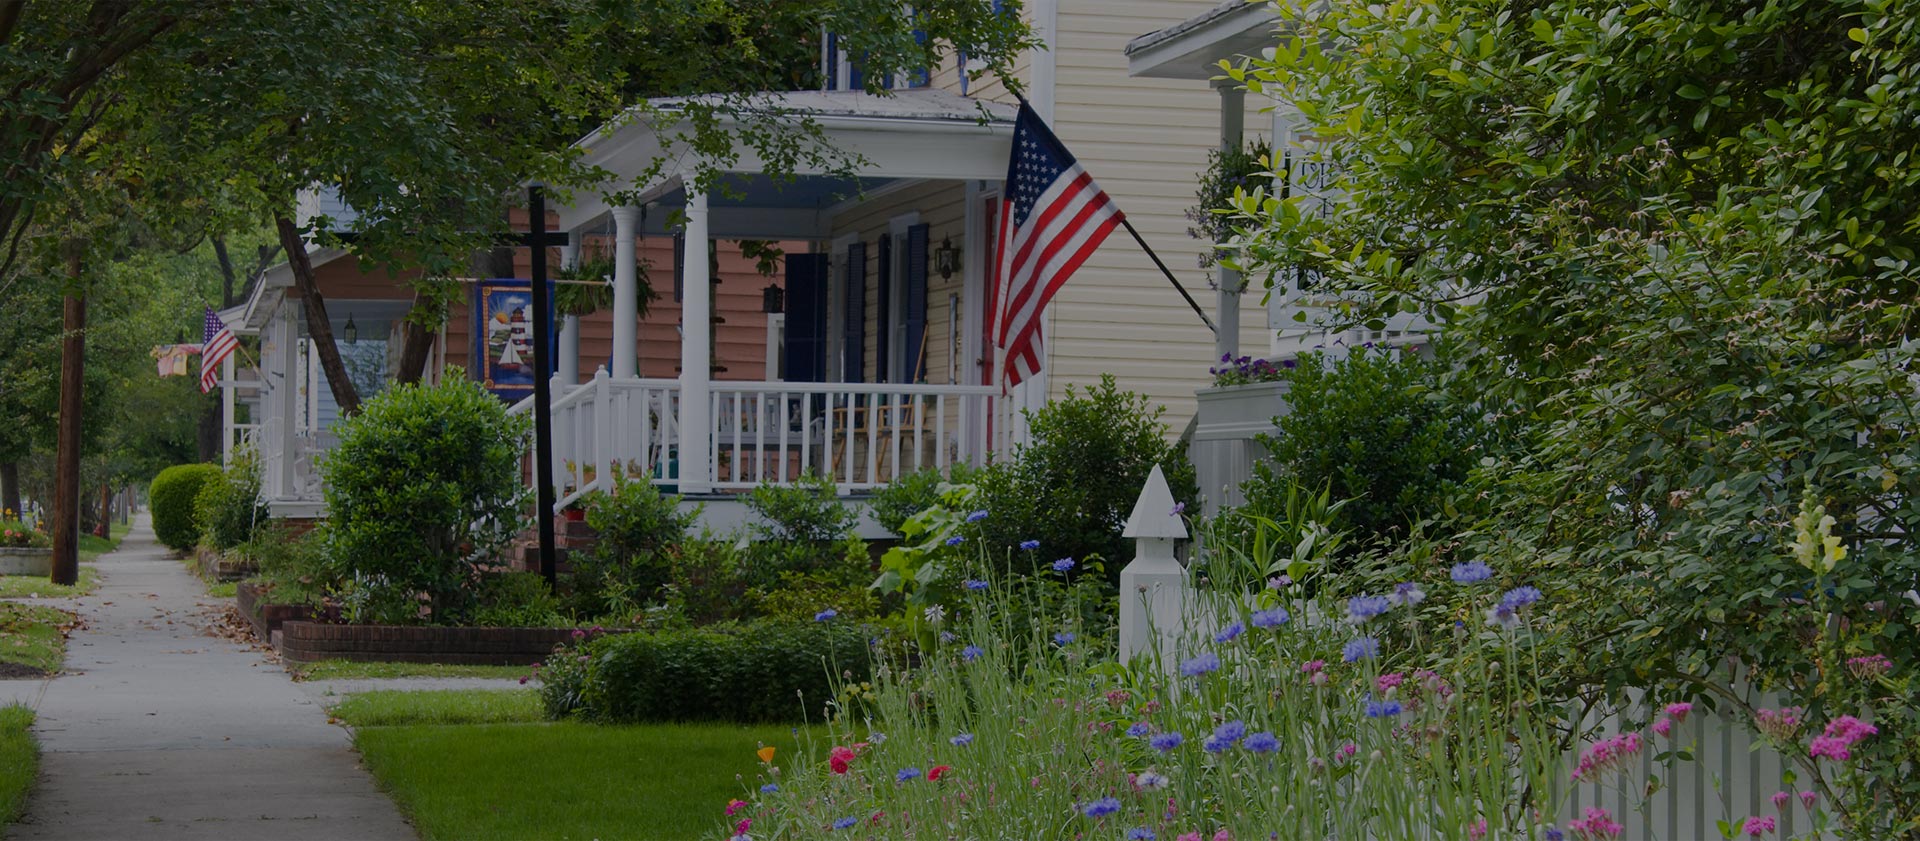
1052,218
218,344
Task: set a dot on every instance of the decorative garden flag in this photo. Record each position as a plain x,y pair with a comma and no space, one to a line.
1053,217
219,344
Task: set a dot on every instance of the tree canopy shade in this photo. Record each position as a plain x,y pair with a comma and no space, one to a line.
1677,241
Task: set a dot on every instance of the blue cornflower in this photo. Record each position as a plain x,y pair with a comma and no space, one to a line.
1140,833
975,584
962,740
948,636
769,788
824,615
976,516
1208,662
1029,545
1273,618
1262,742
1230,633
1520,597
846,823
1062,638
1553,833
1099,808
1382,709
1504,615
1139,728
1166,741
1231,731
1215,744
1063,565
970,653
1362,608
906,774
956,540
1360,649
1407,593
1471,572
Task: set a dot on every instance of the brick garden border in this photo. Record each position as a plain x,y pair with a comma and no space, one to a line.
268,618
306,642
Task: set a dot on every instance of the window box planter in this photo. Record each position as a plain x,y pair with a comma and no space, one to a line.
1227,424
30,560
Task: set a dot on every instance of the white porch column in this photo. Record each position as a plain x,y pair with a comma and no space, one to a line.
696,352
1226,341
289,399
227,388
569,368
626,296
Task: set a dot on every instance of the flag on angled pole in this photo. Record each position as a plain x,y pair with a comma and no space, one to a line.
1052,217
219,344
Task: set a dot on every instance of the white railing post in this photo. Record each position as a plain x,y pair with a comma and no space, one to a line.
1153,588
603,432
562,441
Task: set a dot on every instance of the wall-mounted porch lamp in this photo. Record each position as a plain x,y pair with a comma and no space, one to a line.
773,299
351,331
946,258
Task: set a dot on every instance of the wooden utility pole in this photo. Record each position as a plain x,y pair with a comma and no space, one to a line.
66,461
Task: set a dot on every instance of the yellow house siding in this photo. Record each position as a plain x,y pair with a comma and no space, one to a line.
1145,141
941,205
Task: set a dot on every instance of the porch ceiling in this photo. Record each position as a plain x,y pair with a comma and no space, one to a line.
915,134
1194,48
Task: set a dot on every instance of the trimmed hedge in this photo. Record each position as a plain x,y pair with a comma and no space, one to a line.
759,672
173,496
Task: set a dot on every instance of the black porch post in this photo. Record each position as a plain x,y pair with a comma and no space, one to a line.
542,373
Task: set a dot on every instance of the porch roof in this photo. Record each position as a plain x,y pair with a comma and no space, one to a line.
1193,48
923,133
248,316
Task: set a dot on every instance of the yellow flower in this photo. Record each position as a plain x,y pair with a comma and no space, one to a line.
766,754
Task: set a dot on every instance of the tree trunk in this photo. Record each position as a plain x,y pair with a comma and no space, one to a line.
418,347
106,513
226,272
66,462
10,488
318,326
210,426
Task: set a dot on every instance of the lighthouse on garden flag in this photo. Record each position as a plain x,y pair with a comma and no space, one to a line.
1052,218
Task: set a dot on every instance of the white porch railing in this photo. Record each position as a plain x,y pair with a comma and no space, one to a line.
608,427
862,435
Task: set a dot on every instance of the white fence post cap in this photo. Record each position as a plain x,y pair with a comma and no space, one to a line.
1153,513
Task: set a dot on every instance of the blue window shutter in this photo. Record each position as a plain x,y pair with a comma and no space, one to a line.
881,344
806,346
833,62
923,76
679,268
853,352
916,303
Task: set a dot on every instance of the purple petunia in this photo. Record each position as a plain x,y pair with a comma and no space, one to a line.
1271,618
1230,633
1100,808
1360,648
1166,741
1208,662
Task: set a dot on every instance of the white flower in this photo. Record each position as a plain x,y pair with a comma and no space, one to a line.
1150,780
936,614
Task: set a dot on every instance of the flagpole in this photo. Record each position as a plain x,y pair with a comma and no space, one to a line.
1170,278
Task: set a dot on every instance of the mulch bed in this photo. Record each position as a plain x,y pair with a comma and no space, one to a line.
21,671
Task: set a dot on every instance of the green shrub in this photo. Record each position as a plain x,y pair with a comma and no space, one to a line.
518,600
708,582
1073,485
172,497
639,530
1371,429
765,671
230,509
293,567
911,494
424,486
803,528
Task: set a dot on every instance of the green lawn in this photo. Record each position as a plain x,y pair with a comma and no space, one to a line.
30,586
30,635
223,589
19,761
93,547
564,781
355,669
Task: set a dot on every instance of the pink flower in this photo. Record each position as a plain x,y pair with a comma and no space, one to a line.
744,825
1838,740
1757,826
1388,681
1188,836
1828,747
1313,666
936,772
1222,836
1477,830
1595,826
1679,711
1607,756
1870,666
1782,724
1347,751
1663,727
735,806
1780,799
1807,798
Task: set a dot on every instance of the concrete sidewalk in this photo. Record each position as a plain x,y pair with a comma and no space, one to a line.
160,730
